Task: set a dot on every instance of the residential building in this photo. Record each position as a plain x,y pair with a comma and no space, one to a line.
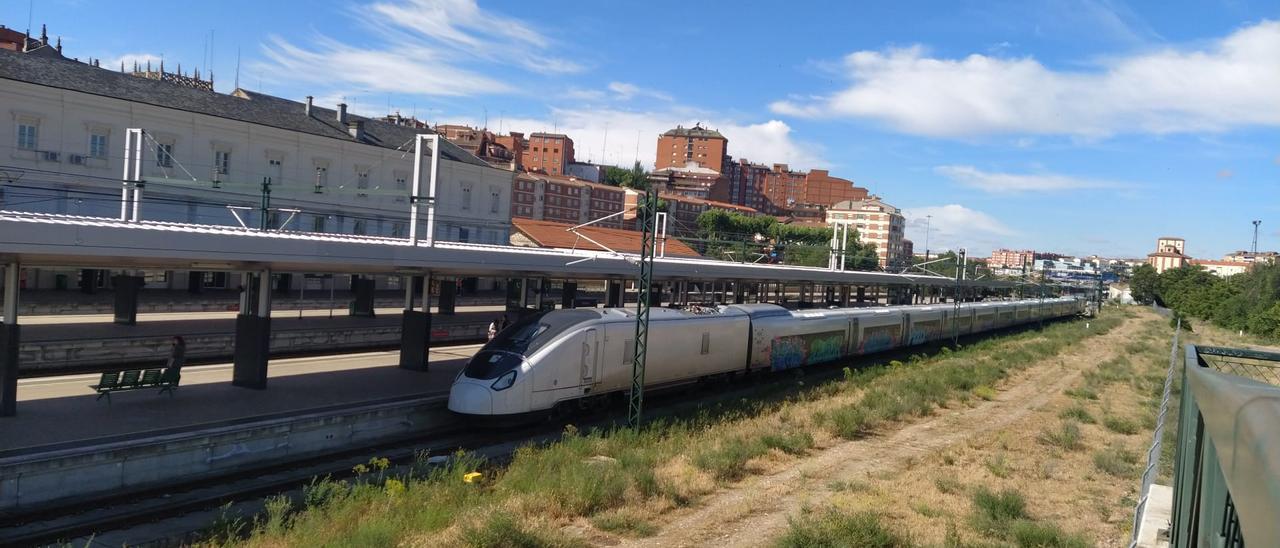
1250,257
1011,259
746,182
785,189
550,234
19,42
693,181
1168,255
877,223
586,172
1223,268
206,151
548,153
480,142
566,199
699,146
517,145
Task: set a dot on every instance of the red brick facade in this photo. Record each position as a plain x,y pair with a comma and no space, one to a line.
549,153
697,146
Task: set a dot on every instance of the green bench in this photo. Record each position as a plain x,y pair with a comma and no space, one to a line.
137,379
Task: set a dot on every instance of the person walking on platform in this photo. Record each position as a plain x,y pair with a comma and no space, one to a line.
177,354
493,328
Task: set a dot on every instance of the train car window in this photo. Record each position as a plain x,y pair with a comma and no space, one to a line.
628,352
530,333
706,343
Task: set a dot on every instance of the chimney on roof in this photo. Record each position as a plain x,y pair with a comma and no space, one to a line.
342,113
356,129
308,110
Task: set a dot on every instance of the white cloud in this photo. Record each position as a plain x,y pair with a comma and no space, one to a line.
954,226
420,49
626,92
1229,84
616,136
1020,182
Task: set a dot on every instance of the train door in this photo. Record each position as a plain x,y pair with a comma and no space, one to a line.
590,357
905,338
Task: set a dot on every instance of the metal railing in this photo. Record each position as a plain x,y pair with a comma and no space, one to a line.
1227,466
1153,453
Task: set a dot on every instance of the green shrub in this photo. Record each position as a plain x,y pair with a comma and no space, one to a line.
1031,534
728,460
852,421
985,392
1120,425
836,529
1065,436
1116,461
502,530
795,443
995,513
624,522
322,491
1082,393
1077,412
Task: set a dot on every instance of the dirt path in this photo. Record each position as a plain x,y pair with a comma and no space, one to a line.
756,511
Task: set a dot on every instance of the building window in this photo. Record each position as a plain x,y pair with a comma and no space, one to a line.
362,182
322,178
317,223
221,162
464,234
358,227
164,154
466,196
27,136
495,198
97,145
398,229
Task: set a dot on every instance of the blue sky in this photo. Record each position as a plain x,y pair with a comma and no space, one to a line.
1078,127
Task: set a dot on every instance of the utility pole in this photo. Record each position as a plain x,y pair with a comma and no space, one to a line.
266,202
928,219
648,213
1255,239
961,262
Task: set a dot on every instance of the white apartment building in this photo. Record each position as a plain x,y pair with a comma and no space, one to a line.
877,223
63,129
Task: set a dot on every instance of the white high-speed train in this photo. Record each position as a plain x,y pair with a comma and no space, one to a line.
550,359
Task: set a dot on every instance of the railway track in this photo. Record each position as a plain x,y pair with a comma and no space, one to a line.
58,525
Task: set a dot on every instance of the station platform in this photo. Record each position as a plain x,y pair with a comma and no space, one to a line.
63,412
63,344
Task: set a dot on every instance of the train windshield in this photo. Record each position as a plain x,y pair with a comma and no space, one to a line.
523,338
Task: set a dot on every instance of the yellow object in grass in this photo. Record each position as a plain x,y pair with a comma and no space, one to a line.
473,477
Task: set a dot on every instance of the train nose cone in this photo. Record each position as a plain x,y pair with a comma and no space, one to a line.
470,398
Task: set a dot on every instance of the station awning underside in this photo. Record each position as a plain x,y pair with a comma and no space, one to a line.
87,242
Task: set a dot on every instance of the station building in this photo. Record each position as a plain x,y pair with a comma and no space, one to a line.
217,158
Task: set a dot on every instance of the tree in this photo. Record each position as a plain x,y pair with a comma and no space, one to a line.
1142,286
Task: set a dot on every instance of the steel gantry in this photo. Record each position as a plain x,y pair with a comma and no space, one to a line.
648,214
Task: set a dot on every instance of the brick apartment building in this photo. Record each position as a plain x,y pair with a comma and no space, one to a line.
482,143
745,182
693,181
564,199
548,153
697,145
1010,258
784,189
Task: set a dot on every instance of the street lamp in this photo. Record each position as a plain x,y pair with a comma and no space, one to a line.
927,221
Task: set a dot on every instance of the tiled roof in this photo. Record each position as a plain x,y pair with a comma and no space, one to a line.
249,106
553,234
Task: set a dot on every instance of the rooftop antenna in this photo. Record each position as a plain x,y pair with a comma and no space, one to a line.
604,148
237,68
486,118
1255,236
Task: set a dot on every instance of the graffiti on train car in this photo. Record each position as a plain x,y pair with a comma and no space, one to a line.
797,350
923,331
880,337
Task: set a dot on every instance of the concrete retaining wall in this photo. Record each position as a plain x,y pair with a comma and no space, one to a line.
91,471
39,358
